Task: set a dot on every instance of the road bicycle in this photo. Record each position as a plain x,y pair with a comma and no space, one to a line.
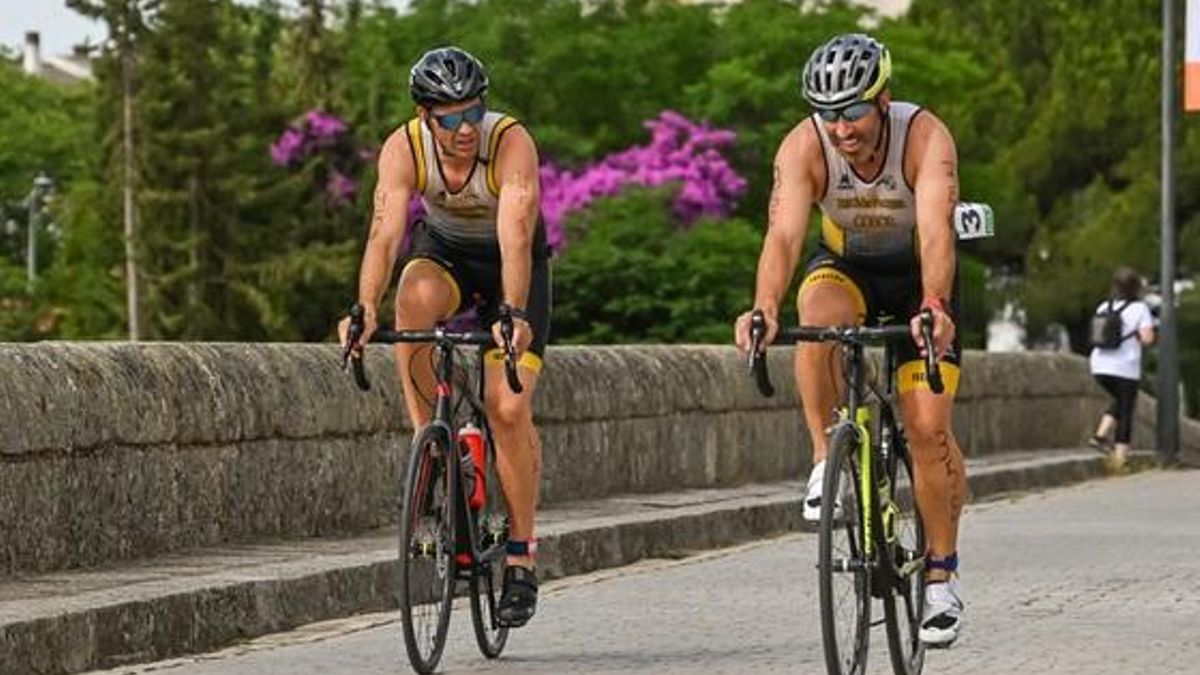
450,531
872,542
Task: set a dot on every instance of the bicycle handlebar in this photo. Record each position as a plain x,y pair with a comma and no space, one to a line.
842,334
388,335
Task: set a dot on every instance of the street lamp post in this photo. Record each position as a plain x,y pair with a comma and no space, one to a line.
1167,436
43,185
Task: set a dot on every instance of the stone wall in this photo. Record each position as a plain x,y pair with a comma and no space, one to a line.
112,451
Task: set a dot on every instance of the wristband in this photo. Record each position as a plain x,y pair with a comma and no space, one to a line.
935,303
514,312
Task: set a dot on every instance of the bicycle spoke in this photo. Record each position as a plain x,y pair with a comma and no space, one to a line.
844,572
904,606
426,552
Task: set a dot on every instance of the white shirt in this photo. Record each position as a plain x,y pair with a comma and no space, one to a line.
1124,361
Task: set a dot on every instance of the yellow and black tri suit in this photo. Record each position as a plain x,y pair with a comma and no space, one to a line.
458,233
869,244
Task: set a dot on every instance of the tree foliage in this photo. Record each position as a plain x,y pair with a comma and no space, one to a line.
1054,108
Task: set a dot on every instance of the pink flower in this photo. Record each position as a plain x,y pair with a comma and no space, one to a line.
289,148
680,151
340,188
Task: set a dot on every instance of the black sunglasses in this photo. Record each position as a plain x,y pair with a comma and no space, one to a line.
452,121
851,113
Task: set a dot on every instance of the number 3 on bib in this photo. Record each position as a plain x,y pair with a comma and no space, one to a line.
974,220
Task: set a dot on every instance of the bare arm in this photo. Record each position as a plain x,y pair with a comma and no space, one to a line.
936,188
792,196
516,220
396,182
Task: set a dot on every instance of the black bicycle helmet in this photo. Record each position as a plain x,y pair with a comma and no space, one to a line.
446,75
848,68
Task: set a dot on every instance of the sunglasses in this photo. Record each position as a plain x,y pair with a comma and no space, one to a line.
851,113
452,121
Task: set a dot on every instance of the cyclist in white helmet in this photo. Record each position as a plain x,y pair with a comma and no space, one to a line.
885,176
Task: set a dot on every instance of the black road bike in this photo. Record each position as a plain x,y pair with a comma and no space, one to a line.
444,538
872,542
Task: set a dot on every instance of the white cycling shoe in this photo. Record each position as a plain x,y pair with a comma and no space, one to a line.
812,494
943,614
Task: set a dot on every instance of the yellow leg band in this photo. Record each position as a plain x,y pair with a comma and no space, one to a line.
911,376
530,361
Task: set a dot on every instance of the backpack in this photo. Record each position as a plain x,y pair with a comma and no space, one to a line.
1106,326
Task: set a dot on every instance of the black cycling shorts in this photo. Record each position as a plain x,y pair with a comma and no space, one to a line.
888,296
474,271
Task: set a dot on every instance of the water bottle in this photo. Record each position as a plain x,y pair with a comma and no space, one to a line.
470,439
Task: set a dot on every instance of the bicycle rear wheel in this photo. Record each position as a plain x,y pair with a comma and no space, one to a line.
427,570
844,571
488,577
903,608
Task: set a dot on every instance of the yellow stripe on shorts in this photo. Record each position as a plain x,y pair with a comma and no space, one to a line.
445,275
831,274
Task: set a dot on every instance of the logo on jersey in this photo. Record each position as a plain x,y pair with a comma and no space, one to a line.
844,183
887,181
464,204
873,221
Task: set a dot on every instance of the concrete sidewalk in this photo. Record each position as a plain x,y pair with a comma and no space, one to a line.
178,604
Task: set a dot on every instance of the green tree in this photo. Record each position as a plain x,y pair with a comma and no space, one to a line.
43,127
632,275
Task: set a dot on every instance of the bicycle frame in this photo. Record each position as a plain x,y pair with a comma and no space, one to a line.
443,417
870,461
855,411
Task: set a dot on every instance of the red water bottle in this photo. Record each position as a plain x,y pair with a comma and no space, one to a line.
470,438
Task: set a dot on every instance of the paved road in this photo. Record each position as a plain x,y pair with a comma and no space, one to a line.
1101,578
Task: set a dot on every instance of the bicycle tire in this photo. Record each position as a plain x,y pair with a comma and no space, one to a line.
427,565
845,638
904,605
488,576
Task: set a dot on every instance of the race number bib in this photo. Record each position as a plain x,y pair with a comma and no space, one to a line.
974,220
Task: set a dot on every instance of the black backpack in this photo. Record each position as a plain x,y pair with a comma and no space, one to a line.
1106,326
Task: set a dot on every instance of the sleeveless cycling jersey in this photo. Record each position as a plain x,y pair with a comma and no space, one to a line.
468,215
871,222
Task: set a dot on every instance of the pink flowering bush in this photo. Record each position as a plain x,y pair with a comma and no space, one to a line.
680,151
324,136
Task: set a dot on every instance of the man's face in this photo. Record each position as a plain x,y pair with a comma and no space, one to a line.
456,126
855,129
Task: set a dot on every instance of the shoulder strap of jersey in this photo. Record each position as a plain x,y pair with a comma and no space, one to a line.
416,144
493,144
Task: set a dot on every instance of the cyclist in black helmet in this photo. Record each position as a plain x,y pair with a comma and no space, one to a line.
885,175
481,244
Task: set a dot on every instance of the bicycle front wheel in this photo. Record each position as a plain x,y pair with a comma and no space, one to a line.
903,608
488,577
427,549
843,566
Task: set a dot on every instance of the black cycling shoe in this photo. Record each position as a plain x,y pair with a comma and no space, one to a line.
518,602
